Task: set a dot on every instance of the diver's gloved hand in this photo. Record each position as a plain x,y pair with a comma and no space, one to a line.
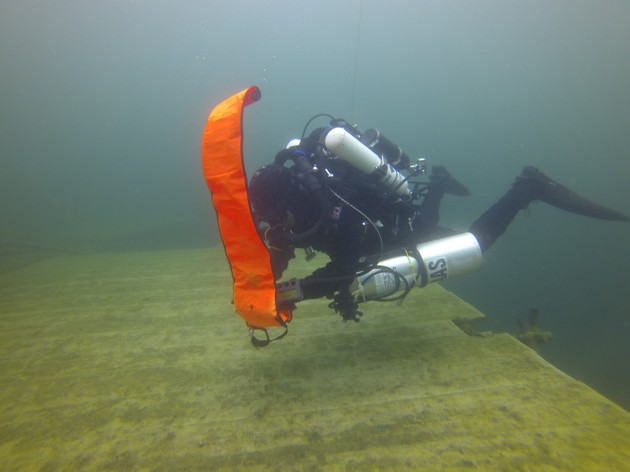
280,258
345,305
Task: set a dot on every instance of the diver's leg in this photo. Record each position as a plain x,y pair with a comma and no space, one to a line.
441,182
533,185
429,213
493,223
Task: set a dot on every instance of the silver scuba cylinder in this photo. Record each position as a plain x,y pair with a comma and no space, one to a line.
358,155
433,261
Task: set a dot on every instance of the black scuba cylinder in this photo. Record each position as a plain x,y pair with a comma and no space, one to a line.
387,149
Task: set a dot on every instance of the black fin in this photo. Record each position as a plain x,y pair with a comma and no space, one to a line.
440,176
540,187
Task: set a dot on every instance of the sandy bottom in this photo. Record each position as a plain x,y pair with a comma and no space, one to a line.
136,361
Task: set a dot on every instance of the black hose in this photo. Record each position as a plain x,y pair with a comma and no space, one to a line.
398,276
311,120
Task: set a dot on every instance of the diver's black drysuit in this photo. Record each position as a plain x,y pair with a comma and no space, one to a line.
343,213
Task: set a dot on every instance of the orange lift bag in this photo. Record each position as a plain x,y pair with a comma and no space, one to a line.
250,262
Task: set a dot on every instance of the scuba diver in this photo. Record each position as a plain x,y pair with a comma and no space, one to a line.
355,196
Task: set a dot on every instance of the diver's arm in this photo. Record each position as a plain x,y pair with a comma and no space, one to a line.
333,282
280,258
344,254
327,280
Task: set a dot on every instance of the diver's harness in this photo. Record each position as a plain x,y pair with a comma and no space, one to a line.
371,153
385,164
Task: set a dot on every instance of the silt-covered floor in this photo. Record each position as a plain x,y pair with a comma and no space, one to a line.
136,361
